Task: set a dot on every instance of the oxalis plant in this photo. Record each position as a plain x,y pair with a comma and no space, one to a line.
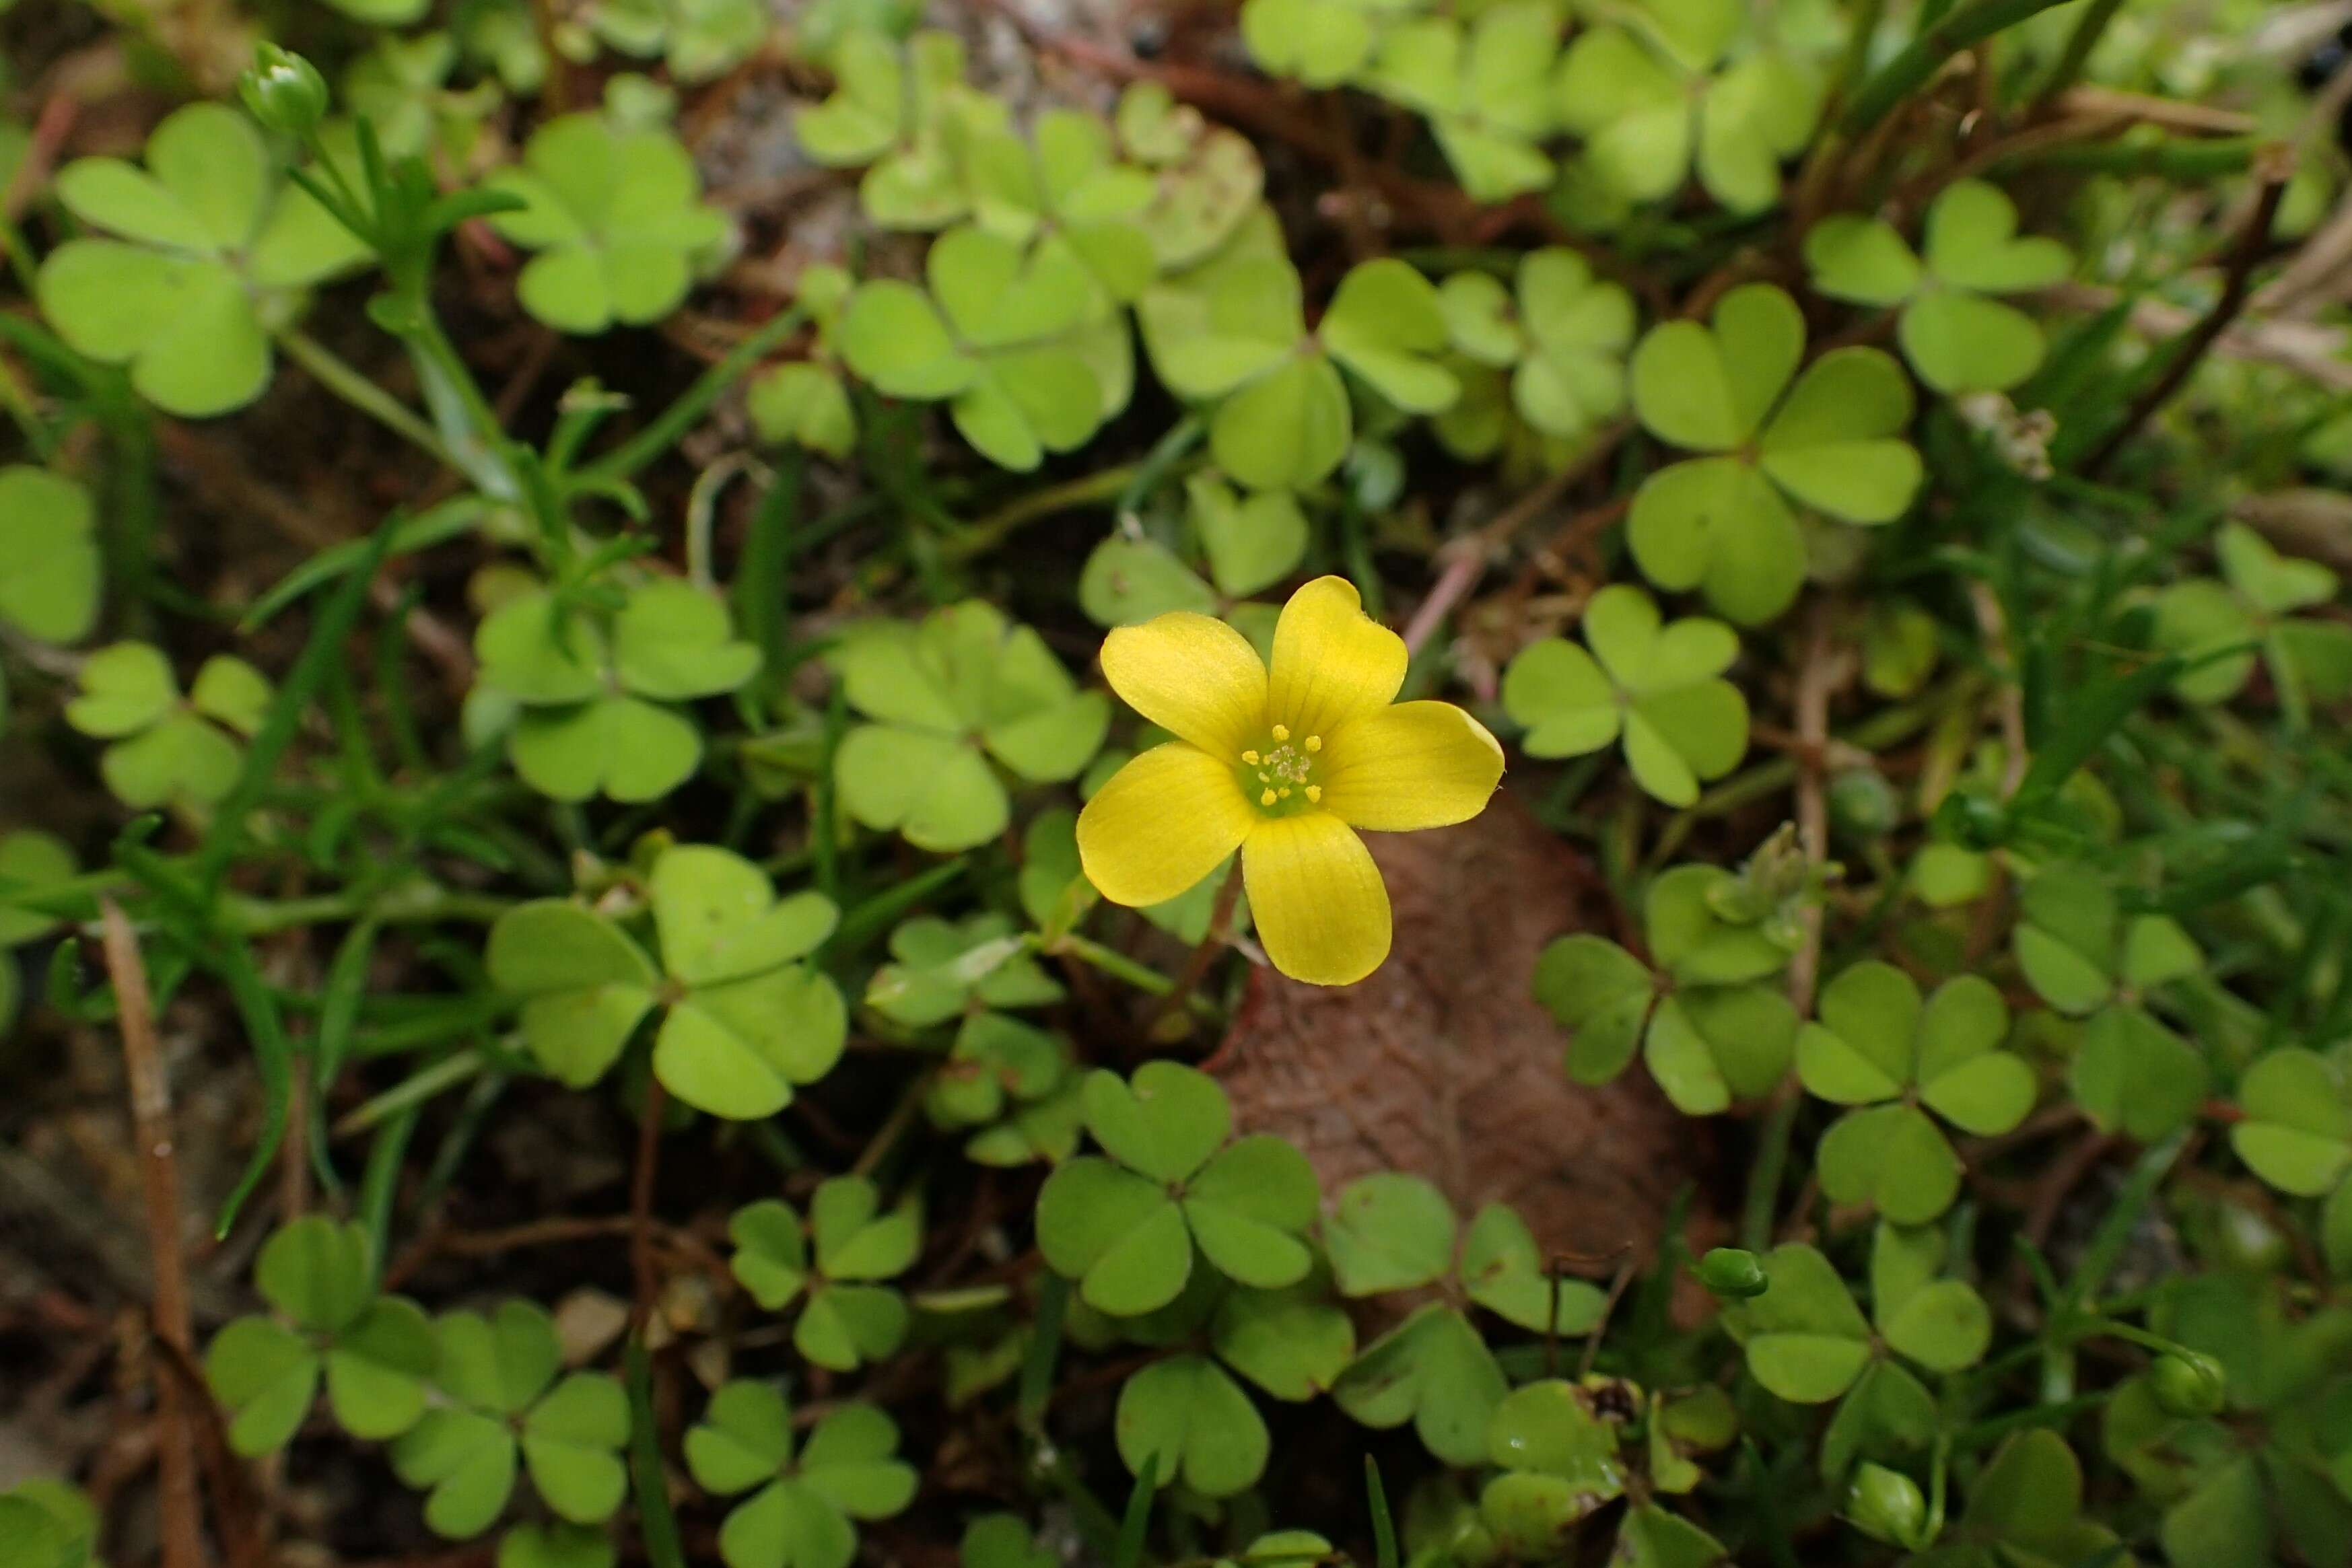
923,784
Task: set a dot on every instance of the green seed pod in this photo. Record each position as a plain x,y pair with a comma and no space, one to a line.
1885,1505
1862,804
1733,1273
2188,1384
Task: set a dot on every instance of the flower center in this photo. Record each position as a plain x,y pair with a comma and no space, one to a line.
1283,773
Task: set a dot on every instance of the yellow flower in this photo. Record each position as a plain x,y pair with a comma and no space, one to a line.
1284,766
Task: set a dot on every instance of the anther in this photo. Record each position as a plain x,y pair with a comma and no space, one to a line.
1266,799
1251,758
1284,793
1314,743
1282,732
1314,793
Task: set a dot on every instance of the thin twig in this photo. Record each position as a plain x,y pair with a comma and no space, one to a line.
237,1512
1461,573
641,1208
2253,241
2195,119
1813,682
159,1175
886,1137
50,129
1552,555
1617,1283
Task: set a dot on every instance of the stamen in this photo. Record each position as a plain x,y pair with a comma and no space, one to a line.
1251,758
1266,799
1314,743
1282,732
1314,793
1284,793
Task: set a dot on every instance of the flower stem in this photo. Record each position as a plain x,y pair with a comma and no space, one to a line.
413,1091
338,377
1085,490
886,1137
1212,942
1765,1174
1119,966
672,424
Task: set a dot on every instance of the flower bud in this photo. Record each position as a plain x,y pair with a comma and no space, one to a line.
1885,1505
1862,804
284,91
2188,1384
1734,1274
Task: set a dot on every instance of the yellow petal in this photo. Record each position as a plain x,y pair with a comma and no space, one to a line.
1332,661
1317,899
1192,675
1416,765
1162,823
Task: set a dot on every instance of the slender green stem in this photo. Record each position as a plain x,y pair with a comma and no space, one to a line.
2179,158
1044,1347
414,1089
669,428
2058,1417
1087,490
886,1138
1119,966
1862,31
435,344
332,371
1764,1176
703,514
2088,28
1165,453
25,414
20,257
405,903
1917,65
380,1183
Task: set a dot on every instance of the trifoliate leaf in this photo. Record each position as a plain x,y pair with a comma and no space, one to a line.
1805,1339
1434,1371
1506,1272
1194,1424
1389,1231
617,218
2297,1131
49,566
1602,993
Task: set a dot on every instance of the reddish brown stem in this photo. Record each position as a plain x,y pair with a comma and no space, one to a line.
641,1207
159,1175
1220,932
2254,243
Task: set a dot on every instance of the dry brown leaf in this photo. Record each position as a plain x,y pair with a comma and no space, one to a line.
1443,1064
